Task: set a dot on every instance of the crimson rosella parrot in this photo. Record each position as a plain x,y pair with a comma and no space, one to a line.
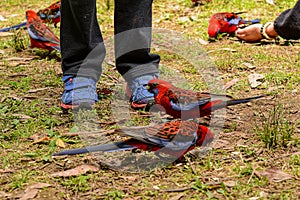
51,14
226,22
40,35
174,138
185,104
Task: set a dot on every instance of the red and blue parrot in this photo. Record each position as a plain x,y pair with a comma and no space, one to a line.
40,35
186,104
51,14
174,138
226,22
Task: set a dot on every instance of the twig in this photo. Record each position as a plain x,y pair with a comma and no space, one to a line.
89,133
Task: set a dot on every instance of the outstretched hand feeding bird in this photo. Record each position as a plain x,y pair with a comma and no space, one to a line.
185,104
174,138
226,22
40,35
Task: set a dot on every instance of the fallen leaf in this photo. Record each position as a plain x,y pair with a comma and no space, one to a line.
82,169
221,144
271,2
32,190
129,178
5,34
58,70
250,66
38,186
21,58
21,116
203,42
177,196
2,51
4,195
184,19
230,83
60,143
38,89
254,79
37,138
6,171
2,19
229,183
223,49
274,174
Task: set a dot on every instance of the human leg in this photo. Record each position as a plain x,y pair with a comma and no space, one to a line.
133,29
82,51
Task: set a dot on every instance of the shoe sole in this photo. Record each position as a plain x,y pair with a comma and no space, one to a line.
82,106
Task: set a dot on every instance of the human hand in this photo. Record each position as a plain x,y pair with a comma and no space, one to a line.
250,33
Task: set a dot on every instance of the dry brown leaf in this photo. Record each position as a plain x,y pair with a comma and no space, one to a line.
129,178
221,144
203,42
37,139
229,183
177,196
254,79
230,83
60,143
248,65
82,169
274,174
38,89
32,190
4,195
271,2
21,58
2,19
58,70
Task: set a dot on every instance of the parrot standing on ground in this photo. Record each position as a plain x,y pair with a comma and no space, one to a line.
226,22
40,35
174,138
51,14
185,104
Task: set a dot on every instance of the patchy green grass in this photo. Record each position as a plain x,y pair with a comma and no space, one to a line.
255,137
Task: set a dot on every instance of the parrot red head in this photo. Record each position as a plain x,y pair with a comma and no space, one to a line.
156,85
30,14
213,28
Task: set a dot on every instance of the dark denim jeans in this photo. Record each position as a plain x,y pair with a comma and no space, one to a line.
82,45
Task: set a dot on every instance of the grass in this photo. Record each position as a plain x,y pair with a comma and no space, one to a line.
226,172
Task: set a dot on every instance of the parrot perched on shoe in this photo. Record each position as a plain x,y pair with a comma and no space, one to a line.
174,138
226,22
51,14
186,104
40,35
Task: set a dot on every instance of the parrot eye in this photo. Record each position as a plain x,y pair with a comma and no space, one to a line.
155,84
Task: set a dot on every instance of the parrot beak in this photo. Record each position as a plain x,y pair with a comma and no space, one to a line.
147,87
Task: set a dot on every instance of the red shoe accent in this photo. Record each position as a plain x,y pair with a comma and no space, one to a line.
138,106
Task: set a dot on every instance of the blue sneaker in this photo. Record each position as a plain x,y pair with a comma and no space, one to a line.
140,96
80,92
